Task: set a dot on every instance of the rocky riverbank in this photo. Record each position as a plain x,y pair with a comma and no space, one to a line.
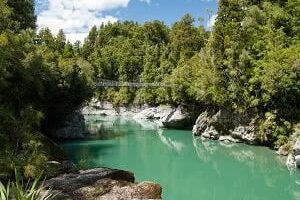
226,126
213,123
229,127
101,183
180,117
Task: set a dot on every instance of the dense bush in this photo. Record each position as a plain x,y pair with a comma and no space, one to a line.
41,81
249,62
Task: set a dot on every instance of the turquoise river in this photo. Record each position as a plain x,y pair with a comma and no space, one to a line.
187,168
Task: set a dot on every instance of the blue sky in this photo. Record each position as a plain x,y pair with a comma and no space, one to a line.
76,17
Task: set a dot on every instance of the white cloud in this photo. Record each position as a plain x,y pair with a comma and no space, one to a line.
77,17
146,1
211,21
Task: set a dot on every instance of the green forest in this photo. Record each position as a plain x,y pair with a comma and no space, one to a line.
248,62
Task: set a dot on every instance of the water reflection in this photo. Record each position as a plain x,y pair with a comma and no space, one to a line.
171,143
148,124
259,162
104,128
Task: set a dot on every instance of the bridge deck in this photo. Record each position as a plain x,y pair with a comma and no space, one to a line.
109,83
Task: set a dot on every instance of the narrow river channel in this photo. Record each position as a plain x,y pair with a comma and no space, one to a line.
187,168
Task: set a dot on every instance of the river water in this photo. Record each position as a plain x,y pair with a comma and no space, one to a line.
187,168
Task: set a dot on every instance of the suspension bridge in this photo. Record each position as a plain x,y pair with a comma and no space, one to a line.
111,83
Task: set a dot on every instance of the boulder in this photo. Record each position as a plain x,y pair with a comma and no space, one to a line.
149,113
167,116
178,118
202,123
297,160
54,168
144,190
156,113
69,167
102,183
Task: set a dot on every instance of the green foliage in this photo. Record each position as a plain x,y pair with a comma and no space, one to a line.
254,48
274,130
42,80
186,40
19,190
128,52
4,191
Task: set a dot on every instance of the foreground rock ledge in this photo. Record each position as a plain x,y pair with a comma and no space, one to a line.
102,183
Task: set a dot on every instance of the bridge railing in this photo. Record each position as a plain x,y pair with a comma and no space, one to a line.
111,83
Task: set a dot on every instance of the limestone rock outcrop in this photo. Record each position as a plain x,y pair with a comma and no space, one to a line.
214,124
168,117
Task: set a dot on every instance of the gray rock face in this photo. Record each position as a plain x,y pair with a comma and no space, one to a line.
164,116
211,133
73,128
213,124
102,183
157,113
297,160
178,118
167,116
296,148
105,108
293,160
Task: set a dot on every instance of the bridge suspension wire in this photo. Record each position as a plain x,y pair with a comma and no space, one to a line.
111,83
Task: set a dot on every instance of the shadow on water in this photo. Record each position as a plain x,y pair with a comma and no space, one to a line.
88,152
106,128
103,137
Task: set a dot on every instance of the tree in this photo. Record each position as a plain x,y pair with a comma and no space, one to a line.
185,38
156,33
5,16
23,14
